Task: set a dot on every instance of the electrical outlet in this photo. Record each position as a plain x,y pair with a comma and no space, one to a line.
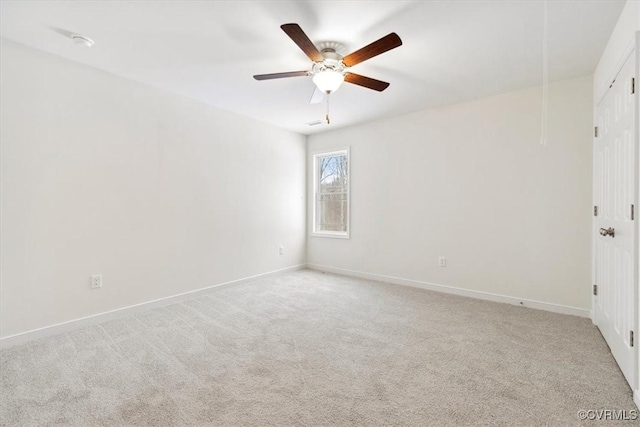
96,281
281,250
442,261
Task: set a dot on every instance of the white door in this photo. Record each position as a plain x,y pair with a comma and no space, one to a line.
614,200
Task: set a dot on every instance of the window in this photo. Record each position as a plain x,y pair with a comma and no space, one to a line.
331,194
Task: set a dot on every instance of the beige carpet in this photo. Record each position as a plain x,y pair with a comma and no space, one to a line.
313,349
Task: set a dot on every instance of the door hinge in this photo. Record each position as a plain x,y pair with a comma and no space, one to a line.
595,289
633,212
595,131
595,211
633,85
630,338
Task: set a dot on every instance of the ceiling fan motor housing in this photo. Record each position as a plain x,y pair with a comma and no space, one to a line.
332,61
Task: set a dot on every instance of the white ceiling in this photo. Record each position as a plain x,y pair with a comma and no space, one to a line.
209,50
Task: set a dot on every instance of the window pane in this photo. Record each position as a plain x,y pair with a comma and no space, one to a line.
332,193
333,171
332,212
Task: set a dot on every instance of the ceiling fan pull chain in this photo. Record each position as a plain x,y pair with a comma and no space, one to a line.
327,115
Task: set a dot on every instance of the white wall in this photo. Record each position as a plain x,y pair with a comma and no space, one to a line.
472,182
159,193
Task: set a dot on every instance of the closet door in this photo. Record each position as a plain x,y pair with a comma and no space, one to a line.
615,213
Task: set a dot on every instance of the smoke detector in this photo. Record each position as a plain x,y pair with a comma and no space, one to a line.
81,40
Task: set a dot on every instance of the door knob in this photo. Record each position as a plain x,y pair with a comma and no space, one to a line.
608,232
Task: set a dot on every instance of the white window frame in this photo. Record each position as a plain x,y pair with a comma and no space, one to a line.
316,172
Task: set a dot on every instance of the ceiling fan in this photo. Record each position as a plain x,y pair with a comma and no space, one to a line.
329,68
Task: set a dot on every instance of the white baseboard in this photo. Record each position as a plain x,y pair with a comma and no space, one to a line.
546,306
70,325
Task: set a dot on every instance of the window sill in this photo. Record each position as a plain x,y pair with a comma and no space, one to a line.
331,235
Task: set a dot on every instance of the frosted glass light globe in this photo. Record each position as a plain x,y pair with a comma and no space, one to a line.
328,81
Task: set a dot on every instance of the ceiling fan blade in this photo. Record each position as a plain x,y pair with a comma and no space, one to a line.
367,82
317,96
280,75
300,38
388,42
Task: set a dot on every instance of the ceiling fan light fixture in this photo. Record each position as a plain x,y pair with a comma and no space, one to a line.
328,81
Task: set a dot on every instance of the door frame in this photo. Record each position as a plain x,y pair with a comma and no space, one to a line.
630,50
636,270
